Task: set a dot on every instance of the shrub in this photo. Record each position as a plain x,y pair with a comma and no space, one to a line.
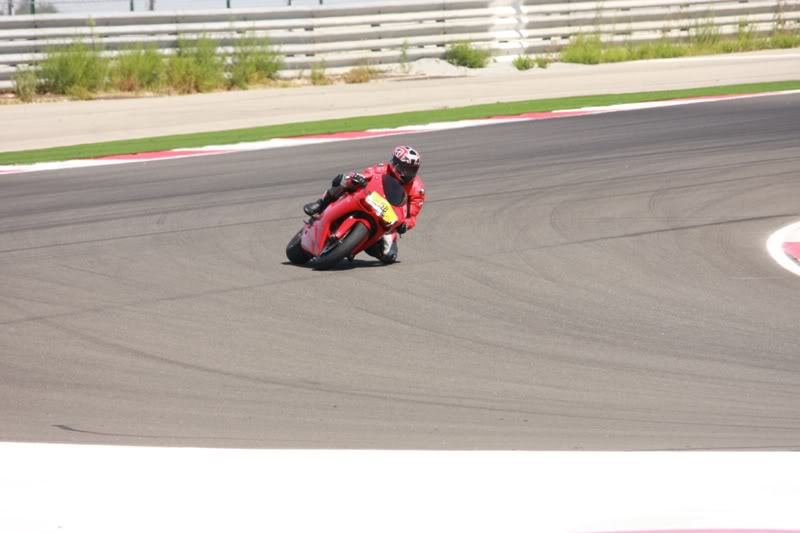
76,92
25,81
745,37
405,64
196,67
318,76
543,61
664,49
78,70
463,54
591,50
704,36
523,62
253,61
585,49
181,75
361,74
138,69
615,54
784,39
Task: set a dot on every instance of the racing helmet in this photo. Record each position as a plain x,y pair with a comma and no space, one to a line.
404,164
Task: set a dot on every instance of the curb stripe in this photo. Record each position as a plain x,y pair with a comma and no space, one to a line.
784,251
792,249
147,156
545,115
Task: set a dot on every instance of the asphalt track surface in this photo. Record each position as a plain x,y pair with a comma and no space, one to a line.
594,282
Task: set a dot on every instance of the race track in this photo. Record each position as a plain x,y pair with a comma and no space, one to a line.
594,282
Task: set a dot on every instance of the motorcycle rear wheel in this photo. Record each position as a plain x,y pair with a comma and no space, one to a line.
358,233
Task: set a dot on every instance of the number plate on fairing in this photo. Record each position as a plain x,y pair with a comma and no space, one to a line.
382,208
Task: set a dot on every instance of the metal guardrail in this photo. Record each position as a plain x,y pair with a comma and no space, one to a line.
386,33
40,7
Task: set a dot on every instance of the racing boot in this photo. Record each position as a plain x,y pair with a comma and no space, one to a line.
385,250
315,208
390,255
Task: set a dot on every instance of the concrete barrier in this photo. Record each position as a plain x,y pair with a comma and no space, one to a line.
383,34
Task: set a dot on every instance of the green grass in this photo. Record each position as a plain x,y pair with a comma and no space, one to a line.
362,123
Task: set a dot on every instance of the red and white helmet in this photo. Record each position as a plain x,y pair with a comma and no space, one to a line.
404,163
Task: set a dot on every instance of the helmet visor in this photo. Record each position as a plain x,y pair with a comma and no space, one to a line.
407,171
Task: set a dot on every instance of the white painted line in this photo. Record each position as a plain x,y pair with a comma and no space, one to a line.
679,102
264,145
59,488
775,248
469,123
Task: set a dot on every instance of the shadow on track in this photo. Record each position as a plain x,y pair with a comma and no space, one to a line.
344,265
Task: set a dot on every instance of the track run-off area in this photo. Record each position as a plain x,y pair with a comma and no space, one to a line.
587,283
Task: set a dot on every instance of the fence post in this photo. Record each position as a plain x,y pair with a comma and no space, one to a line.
228,4
131,5
33,7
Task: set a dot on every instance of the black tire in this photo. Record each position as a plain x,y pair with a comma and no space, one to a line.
358,233
295,252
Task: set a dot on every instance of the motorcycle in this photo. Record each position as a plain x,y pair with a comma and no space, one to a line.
350,225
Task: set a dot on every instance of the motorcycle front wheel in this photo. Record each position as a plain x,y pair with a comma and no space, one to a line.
295,252
330,257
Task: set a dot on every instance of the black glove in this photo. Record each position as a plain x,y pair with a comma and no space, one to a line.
402,228
355,181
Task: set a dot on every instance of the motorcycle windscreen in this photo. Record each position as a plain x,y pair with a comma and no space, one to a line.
393,191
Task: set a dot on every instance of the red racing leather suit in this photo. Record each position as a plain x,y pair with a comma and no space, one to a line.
415,190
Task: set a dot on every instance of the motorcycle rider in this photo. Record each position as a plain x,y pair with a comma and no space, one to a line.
403,165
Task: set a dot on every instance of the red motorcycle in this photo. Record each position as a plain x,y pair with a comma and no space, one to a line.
350,225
